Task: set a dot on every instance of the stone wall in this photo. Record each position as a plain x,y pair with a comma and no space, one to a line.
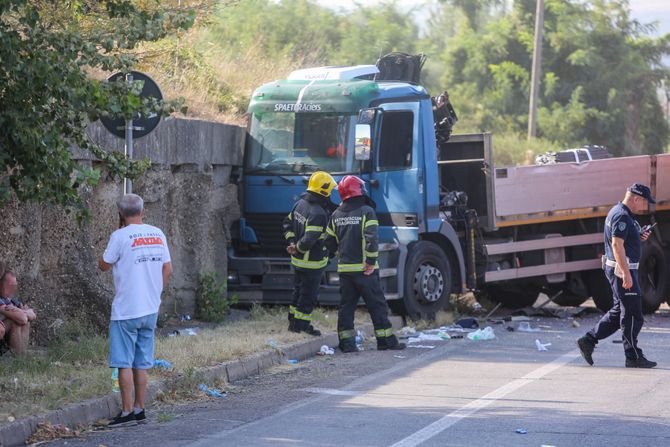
187,192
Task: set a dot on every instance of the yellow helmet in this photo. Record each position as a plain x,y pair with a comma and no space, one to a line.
321,183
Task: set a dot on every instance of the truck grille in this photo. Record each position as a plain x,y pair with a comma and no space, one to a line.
269,232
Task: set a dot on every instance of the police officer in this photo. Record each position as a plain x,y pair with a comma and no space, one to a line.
352,233
304,230
622,250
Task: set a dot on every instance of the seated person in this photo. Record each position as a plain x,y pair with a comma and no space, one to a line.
15,317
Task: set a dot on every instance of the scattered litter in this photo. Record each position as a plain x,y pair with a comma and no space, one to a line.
11,418
547,445
421,346
325,350
509,329
454,328
482,334
521,431
455,336
541,346
184,317
292,361
407,330
271,343
429,337
48,432
525,326
158,363
185,331
361,334
616,340
520,318
210,391
575,323
468,323
400,356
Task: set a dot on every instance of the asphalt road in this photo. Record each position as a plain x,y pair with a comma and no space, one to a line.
459,393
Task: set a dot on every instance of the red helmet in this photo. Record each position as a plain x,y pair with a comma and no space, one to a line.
351,186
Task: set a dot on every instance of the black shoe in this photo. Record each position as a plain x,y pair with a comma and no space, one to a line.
123,421
395,347
640,362
141,417
311,331
586,347
348,348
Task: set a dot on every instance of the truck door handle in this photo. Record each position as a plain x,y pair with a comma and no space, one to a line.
374,183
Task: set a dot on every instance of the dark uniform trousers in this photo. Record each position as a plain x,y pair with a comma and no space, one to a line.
305,293
354,285
625,314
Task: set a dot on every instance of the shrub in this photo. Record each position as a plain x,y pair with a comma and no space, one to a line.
211,302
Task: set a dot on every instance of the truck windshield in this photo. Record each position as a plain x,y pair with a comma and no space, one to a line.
300,143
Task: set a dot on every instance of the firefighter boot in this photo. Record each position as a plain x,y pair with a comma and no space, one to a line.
389,343
304,326
348,345
291,318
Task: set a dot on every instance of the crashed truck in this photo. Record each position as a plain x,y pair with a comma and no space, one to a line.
450,220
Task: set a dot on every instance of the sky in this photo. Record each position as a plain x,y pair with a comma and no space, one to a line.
644,10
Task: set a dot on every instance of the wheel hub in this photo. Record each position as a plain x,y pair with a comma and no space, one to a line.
428,283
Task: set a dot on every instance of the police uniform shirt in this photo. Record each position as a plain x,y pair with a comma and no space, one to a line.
620,223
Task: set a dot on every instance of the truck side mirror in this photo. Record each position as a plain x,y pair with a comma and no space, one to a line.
367,116
362,144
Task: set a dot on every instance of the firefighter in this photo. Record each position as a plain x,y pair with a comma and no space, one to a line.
352,235
304,230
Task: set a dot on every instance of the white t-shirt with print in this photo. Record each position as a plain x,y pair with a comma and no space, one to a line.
137,253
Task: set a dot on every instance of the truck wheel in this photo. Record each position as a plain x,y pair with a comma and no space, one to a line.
600,289
513,296
652,276
570,299
428,280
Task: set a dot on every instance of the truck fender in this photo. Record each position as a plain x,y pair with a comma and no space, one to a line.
448,240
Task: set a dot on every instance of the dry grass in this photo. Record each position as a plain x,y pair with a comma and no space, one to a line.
75,368
442,318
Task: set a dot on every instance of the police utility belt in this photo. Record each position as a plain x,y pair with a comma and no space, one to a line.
617,271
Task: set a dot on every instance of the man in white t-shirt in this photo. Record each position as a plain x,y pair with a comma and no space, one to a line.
139,258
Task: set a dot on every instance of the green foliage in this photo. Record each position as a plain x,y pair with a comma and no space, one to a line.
601,71
212,302
47,97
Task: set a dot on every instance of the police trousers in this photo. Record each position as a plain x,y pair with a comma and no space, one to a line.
353,286
625,314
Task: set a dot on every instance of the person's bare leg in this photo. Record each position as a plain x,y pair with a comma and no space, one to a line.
140,378
16,343
126,389
2,330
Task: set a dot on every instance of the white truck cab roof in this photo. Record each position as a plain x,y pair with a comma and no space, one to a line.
333,73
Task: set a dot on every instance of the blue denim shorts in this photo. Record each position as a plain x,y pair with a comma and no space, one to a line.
131,342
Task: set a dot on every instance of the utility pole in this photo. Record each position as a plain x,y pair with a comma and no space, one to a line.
536,70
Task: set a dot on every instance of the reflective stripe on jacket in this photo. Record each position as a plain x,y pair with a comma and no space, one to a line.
305,226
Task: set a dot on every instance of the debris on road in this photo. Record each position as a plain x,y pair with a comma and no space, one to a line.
406,331
325,350
49,432
292,361
541,346
211,392
525,326
272,343
421,346
482,334
421,336
468,323
521,431
575,323
399,357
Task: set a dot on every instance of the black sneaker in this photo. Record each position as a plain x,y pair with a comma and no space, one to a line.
311,331
395,347
141,417
640,362
586,347
123,421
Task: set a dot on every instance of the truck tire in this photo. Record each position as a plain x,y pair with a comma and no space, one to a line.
600,289
652,276
428,281
568,298
513,296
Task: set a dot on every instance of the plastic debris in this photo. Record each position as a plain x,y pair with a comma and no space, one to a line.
428,337
468,323
190,331
210,391
575,323
325,350
525,326
292,361
421,346
521,431
482,334
520,318
271,343
399,357
158,363
541,346
407,330
184,317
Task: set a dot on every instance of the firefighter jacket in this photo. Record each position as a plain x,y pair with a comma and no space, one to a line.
305,227
352,233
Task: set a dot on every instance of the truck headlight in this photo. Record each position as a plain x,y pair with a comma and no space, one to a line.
232,276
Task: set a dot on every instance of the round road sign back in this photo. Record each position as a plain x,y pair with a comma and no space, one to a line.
142,125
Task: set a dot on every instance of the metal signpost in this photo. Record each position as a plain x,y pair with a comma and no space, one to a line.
137,127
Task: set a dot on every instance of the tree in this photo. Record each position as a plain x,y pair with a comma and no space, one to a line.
601,73
47,96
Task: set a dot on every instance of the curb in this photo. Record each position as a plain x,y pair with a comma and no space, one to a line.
89,411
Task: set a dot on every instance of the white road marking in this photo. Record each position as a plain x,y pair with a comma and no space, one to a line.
447,421
333,392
